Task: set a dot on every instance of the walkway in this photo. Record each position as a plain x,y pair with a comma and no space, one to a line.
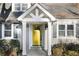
36,51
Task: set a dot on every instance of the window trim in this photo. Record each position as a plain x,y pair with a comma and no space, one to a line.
70,30
3,32
61,30
66,35
13,7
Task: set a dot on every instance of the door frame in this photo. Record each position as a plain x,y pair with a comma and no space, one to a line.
30,20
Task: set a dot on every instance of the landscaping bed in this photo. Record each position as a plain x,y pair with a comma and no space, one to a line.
9,47
63,49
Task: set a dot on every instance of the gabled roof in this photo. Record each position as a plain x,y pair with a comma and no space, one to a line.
58,11
63,10
41,8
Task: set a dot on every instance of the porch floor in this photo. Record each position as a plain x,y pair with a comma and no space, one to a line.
36,51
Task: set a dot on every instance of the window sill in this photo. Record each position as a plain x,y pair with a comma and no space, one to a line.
8,38
68,37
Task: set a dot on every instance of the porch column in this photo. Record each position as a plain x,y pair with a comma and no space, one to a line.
24,38
49,37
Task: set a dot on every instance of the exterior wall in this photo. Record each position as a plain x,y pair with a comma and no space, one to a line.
57,39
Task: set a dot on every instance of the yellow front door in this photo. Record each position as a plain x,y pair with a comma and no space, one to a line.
36,37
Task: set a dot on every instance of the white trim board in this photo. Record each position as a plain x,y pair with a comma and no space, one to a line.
40,7
34,20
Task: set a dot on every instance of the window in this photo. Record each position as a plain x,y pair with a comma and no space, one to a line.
20,7
61,30
66,30
70,30
17,31
7,30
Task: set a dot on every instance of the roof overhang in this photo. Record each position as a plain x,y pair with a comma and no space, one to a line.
52,18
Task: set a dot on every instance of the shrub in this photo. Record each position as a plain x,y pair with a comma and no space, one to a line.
6,45
71,53
57,51
15,44
70,49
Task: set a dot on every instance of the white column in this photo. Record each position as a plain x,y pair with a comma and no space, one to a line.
74,30
66,30
30,36
46,37
57,30
12,29
49,37
24,38
2,31
43,35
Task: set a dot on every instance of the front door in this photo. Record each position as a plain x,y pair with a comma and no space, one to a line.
36,37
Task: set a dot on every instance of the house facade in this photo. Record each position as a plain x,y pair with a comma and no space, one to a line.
39,24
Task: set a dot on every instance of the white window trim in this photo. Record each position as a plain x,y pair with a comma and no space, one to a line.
70,30
66,36
3,32
61,30
13,7
75,30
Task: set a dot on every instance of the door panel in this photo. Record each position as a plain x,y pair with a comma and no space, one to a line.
36,37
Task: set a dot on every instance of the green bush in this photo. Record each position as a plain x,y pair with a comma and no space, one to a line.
15,44
8,44
63,49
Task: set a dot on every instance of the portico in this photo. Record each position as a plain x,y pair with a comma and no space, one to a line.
36,14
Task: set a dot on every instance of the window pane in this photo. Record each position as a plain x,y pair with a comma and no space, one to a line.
0,30
7,33
17,30
70,33
15,35
61,27
61,33
24,6
17,7
7,26
70,27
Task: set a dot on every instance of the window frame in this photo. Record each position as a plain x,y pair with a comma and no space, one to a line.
21,9
61,30
66,33
70,30
3,32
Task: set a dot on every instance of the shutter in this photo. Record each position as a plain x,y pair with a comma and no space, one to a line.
0,30
15,33
54,30
77,30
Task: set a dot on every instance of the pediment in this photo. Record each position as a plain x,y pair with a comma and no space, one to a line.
37,11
